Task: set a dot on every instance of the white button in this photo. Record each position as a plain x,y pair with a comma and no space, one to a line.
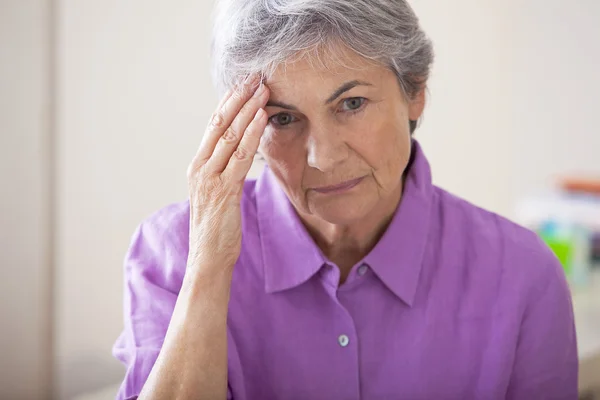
363,269
343,340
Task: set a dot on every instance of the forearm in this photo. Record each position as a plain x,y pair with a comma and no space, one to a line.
193,360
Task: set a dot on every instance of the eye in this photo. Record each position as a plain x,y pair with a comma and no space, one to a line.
282,119
353,103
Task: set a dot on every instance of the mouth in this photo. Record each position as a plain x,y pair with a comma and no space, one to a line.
339,188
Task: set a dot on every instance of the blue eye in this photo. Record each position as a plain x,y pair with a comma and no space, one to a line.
282,119
353,103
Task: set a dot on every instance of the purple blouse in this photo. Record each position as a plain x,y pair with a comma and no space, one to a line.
454,302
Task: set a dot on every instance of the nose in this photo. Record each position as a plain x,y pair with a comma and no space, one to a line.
326,150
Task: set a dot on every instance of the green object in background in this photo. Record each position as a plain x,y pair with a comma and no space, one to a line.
562,248
566,224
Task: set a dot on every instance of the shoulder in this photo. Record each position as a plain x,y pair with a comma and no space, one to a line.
165,232
491,231
158,249
495,252
168,225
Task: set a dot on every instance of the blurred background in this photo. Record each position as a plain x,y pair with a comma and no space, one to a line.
103,103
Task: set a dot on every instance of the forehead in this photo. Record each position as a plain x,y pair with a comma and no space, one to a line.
325,70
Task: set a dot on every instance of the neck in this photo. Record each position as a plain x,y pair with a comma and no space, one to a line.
347,244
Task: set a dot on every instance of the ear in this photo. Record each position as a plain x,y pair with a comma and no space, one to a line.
417,105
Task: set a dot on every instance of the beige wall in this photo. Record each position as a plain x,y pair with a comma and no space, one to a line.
557,90
514,96
465,130
135,95
25,268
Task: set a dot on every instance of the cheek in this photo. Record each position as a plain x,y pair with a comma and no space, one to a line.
272,147
376,140
285,157
383,141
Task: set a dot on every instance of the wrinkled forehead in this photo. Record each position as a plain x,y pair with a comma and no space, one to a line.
323,68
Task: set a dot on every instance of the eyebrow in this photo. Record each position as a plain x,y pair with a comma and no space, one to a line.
279,104
341,90
344,88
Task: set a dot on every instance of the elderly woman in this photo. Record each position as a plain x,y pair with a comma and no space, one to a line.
342,272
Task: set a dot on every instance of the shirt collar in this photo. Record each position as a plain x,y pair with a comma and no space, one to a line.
398,256
291,257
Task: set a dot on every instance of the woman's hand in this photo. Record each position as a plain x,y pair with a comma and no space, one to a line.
192,362
216,176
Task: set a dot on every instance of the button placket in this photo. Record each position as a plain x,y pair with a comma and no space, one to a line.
347,352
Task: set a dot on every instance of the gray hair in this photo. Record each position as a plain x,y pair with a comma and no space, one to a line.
256,36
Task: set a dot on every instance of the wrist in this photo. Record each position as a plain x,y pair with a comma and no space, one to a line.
208,282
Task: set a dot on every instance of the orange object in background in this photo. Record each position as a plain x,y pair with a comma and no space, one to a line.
580,185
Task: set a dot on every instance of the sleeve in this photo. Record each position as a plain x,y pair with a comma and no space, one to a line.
546,363
154,268
150,293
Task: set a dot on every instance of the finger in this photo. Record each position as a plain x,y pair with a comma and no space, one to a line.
228,143
241,161
250,80
222,118
224,99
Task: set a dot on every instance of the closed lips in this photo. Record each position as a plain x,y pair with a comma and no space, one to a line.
341,186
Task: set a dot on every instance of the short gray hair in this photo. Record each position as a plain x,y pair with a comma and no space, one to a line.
255,36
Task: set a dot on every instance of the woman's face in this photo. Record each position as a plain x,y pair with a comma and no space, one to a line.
338,137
